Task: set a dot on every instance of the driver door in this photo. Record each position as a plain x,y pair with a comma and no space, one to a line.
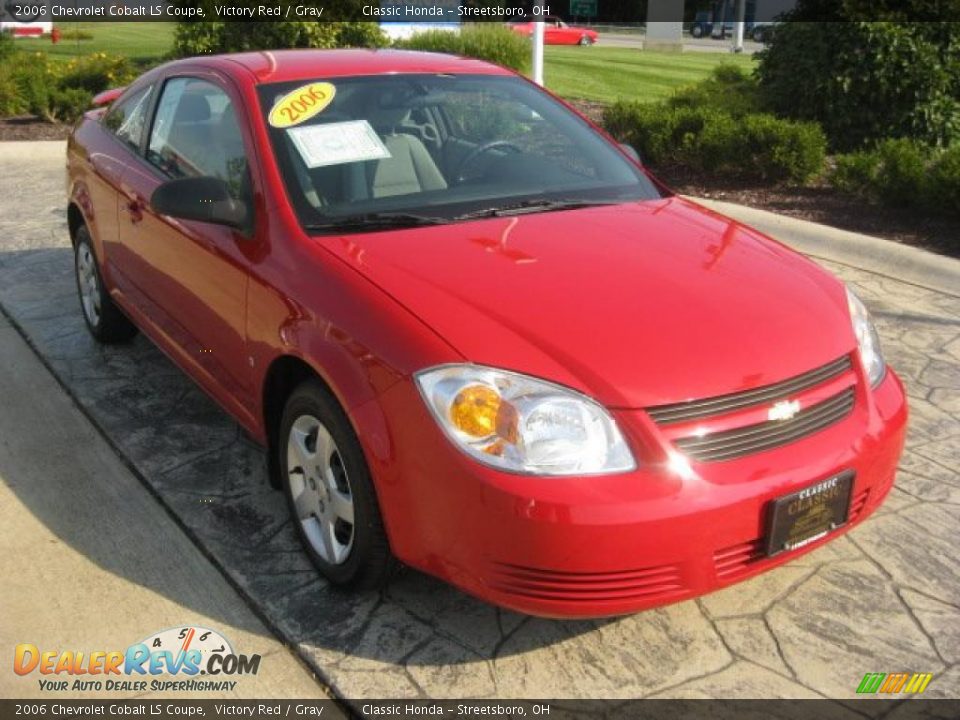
190,278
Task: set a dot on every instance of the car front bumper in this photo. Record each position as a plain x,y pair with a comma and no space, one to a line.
610,545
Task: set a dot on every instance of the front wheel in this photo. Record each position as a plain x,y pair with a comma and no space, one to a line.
585,40
330,492
103,318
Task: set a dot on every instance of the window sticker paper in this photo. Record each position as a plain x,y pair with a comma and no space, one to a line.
338,143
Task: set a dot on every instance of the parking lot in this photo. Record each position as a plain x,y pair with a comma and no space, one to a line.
884,598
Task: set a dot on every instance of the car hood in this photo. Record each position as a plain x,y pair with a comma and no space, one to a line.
636,305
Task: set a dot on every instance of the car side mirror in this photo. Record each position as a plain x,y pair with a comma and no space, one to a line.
631,151
205,199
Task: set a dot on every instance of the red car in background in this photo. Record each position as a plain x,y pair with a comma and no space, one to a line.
556,31
473,334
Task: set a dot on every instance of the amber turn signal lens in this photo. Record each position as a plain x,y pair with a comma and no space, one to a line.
474,411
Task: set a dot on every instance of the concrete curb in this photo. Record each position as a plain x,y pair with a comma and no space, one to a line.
882,257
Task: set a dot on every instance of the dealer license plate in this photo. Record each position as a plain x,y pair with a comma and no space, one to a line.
801,517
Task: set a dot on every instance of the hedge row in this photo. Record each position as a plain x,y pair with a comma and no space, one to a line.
487,41
903,173
58,91
205,38
714,129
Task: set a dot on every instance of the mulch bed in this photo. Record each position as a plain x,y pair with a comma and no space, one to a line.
824,204
30,128
819,203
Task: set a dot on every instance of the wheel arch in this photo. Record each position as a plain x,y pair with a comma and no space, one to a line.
75,220
284,374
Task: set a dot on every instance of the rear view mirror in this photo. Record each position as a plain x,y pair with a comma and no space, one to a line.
632,152
205,199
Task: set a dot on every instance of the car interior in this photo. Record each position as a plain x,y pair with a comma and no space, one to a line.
441,144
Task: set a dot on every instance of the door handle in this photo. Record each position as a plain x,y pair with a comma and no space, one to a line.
135,207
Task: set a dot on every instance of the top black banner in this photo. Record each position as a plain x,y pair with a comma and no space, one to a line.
637,12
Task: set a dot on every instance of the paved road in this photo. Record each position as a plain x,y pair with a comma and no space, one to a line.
700,45
885,597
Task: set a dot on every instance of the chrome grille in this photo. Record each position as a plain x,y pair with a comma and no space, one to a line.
696,409
766,435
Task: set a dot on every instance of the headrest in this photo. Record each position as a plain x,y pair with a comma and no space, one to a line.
192,108
387,119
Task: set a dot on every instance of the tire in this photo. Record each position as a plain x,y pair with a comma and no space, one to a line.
696,31
105,321
758,35
327,483
585,40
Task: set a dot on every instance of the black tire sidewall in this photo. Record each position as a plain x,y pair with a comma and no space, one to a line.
366,566
83,240
112,326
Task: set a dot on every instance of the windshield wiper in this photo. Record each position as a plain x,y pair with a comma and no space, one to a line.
534,206
374,221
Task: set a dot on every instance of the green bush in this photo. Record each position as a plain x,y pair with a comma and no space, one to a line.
902,173
75,35
728,89
709,141
97,72
486,41
59,92
11,102
866,81
943,182
196,38
203,38
6,45
35,78
68,103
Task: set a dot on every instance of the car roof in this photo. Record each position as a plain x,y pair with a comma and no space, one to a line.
271,66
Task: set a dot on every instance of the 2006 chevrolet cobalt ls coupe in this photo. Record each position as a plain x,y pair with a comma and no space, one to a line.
474,334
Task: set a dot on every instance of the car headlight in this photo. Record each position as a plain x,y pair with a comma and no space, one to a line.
520,424
867,340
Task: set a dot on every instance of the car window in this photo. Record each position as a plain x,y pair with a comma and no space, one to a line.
436,144
127,118
196,133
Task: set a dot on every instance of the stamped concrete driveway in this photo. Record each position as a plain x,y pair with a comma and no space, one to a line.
886,597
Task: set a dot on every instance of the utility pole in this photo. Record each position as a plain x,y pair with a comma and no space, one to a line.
538,13
738,26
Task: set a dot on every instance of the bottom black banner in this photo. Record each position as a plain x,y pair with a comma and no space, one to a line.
910,709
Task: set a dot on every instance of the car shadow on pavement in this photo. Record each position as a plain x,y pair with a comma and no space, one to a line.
213,480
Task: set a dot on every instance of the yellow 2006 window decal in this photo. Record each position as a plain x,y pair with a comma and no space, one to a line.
301,104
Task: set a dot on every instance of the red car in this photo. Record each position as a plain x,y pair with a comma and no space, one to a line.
474,335
556,31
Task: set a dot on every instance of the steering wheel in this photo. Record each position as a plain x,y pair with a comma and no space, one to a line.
480,150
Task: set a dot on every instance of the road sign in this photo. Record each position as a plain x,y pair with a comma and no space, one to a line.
583,8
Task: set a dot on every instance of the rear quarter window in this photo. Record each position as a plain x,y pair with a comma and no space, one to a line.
127,118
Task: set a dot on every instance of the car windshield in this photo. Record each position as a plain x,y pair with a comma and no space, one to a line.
411,149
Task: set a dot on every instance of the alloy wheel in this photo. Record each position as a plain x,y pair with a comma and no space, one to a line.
320,488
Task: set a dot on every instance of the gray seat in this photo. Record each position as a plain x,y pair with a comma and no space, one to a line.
410,168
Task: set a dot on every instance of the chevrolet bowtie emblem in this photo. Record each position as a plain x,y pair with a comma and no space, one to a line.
784,410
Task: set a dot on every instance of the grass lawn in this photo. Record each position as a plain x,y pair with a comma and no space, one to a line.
142,42
606,74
